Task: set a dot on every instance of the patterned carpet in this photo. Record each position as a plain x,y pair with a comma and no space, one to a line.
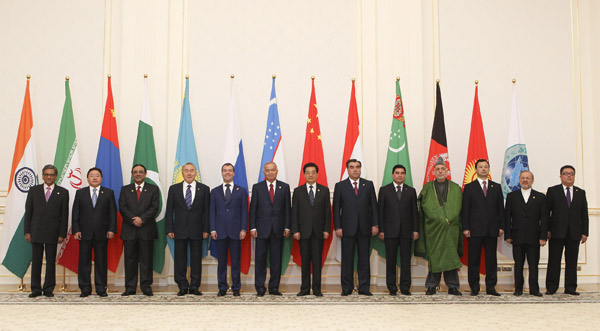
289,299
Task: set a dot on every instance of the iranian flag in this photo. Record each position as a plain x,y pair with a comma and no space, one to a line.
145,153
15,251
477,150
70,177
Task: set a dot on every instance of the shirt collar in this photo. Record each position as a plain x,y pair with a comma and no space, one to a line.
193,184
51,187
269,184
141,185
97,188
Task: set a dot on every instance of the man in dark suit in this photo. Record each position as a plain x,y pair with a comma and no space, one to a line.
526,227
355,221
398,226
228,226
94,223
569,225
187,222
269,224
483,223
311,224
45,224
139,203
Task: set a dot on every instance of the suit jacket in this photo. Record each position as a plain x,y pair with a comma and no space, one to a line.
229,218
526,222
265,215
563,220
94,222
146,209
308,219
398,217
483,215
355,214
46,221
184,222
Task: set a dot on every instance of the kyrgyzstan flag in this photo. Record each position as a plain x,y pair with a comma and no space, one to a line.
313,152
438,147
477,150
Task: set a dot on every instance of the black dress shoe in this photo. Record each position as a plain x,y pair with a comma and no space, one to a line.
51,294
102,294
275,292
346,293
430,291
550,292
572,292
405,292
260,293
35,294
127,293
182,292
454,291
194,291
236,293
518,293
84,294
318,294
492,292
394,292
474,293
222,293
148,293
367,293
537,294
302,293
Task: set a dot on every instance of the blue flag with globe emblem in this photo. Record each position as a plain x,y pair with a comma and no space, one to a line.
515,160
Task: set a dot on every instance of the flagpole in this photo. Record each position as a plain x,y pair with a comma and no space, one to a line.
21,287
63,286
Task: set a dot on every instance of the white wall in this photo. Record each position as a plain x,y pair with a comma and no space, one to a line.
551,48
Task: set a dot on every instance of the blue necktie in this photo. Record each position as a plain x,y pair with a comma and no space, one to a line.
94,198
188,196
228,192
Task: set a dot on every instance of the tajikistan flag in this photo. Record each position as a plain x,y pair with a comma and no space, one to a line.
15,251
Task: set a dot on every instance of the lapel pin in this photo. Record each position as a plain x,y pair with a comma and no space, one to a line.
318,190
533,196
101,192
363,184
57,192
131,190
576,190
279,187
237,188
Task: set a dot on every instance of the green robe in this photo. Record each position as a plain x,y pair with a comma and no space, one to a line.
440,241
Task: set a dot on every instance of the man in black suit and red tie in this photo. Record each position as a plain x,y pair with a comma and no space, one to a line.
526,227
269,224
187,221
94,223
45,226
355,221
311,225
483,223
139,203
398,227
569,226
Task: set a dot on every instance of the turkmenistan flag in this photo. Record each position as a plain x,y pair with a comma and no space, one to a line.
15,251
145,153
397,153
66,160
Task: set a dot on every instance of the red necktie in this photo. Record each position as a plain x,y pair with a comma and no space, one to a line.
271,192
484,189
356,188
139,192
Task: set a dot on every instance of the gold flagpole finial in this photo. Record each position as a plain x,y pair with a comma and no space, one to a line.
274,76
232,76
397,78
145,75
476,82
187,76
108,76
312,77
353,79
28,76
514,81
437,81
67,78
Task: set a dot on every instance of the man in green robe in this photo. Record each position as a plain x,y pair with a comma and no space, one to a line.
441,241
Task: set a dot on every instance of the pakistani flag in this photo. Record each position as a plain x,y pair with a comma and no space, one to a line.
397,154
15,251
145,154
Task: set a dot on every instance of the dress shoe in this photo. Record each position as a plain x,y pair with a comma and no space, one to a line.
222,293
260,293
302,293
51,294
35,294
148,292
182,292
492,292
454,291
405,292
518,293
537,294
127,293
318,294
550,292
194,291
236,293
367,293
102,294
393,292
572,292
346,293
474,293
274,292
84,294
430,291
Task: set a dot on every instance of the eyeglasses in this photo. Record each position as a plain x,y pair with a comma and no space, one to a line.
48,175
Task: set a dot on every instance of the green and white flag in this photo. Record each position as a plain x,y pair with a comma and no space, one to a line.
145,153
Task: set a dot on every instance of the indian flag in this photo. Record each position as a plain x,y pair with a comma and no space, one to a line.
15,250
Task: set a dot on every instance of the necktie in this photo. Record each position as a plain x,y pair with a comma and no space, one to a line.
139,192
568,197
356,188
48,191
484,188
188,196
228,192
311,196
94,198
271,192
399,192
